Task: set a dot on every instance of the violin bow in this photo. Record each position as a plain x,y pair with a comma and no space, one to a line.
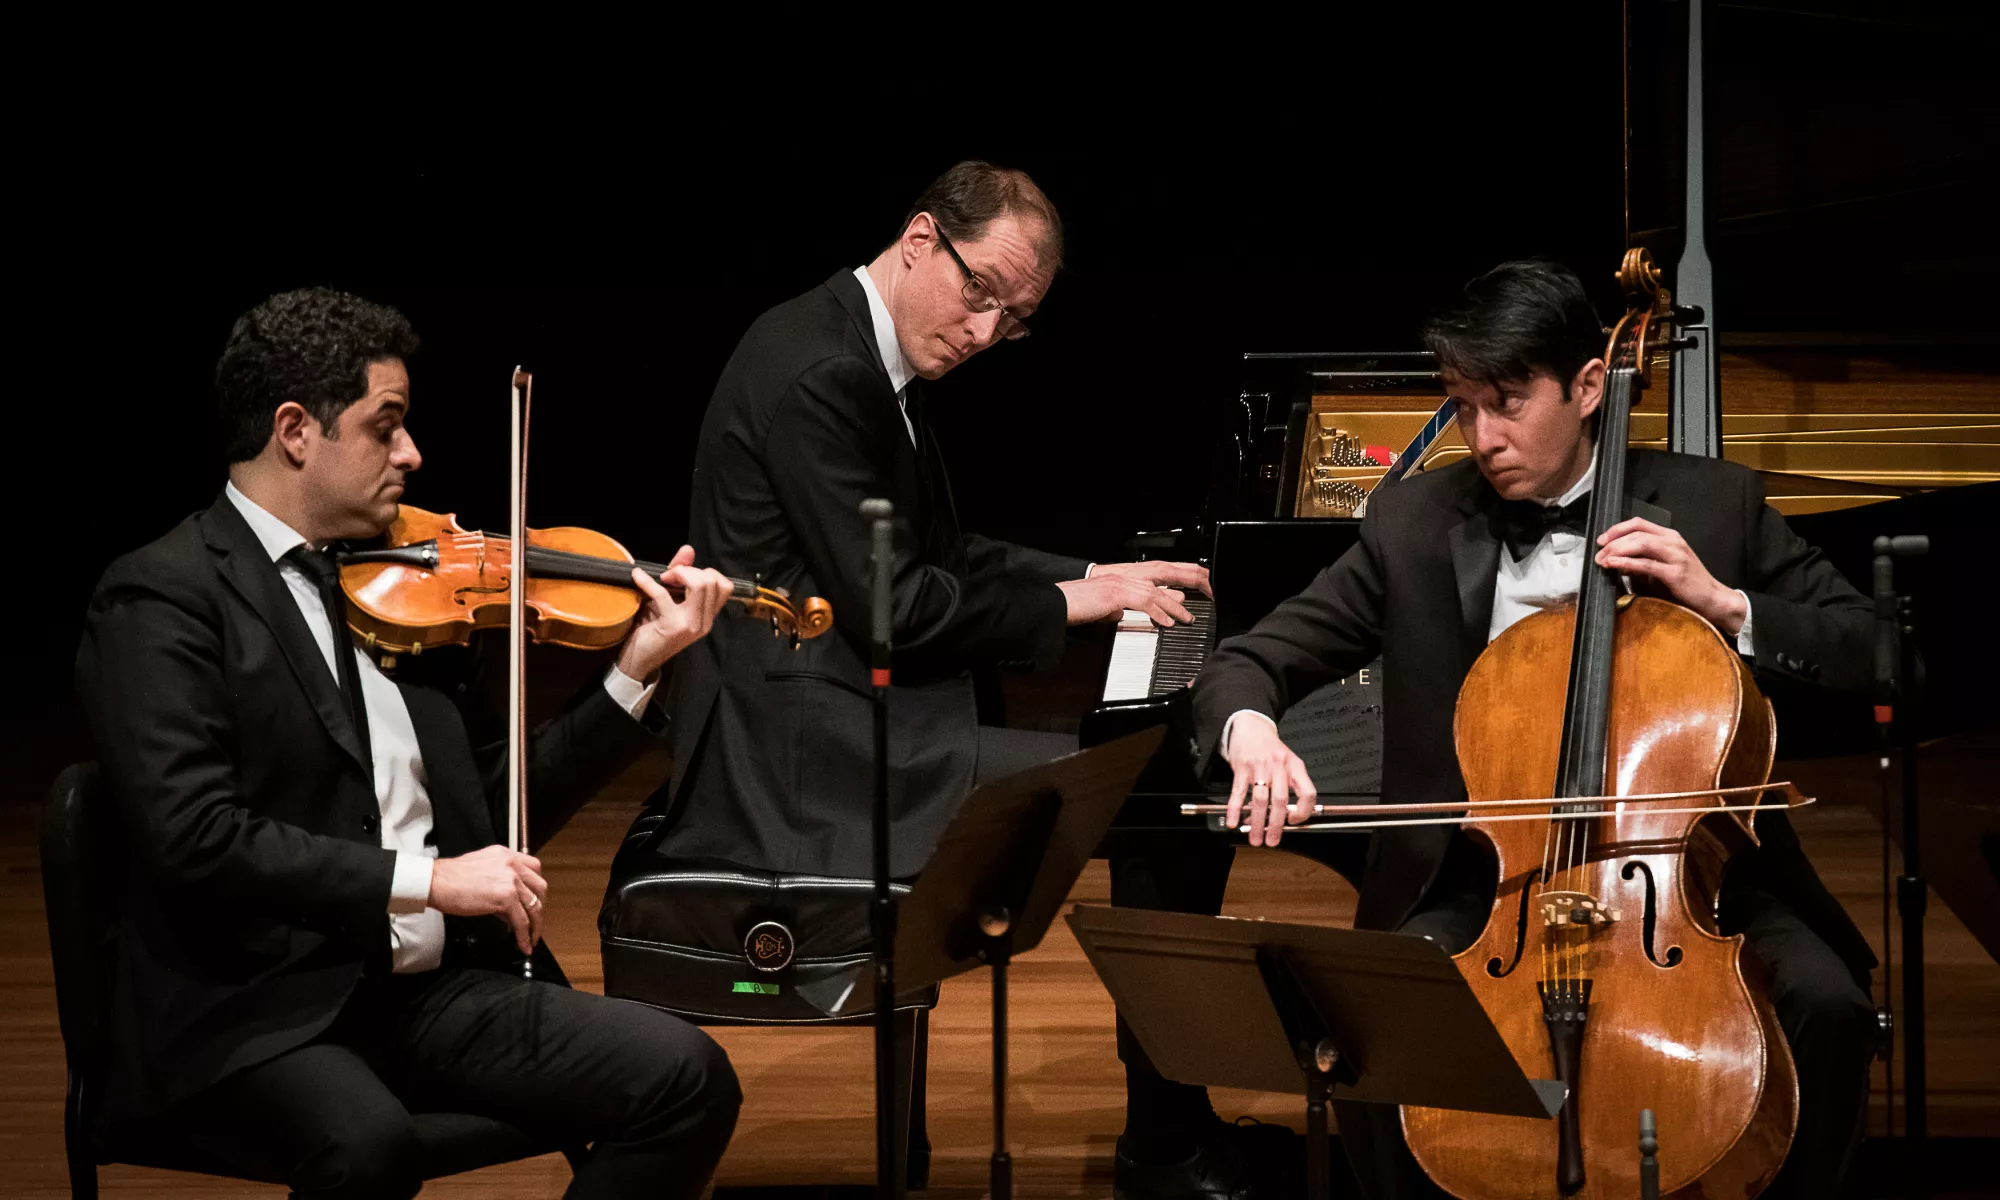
517,629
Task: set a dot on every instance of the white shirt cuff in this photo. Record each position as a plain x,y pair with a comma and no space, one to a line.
627,692
1088,568
1744,645
410,886
1230,725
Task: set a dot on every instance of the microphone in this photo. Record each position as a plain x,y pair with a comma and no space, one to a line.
1887,551
883,546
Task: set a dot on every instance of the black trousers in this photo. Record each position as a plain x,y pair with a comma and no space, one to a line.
1827,1015
654,1096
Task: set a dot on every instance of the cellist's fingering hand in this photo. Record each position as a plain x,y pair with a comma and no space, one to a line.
667,626
1636,546
1264,771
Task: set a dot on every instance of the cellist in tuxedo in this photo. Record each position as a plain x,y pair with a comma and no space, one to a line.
1447,561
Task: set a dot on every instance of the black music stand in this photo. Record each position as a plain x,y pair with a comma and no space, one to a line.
1000,874
1384,1017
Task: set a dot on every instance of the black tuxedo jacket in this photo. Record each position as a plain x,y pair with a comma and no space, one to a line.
258,888
773,746
1417,589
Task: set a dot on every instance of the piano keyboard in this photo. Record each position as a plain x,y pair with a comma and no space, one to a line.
1149,661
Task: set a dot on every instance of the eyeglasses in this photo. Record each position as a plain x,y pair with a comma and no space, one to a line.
977,296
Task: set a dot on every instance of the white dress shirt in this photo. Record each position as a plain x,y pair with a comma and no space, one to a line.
416,932
900,370
1549,576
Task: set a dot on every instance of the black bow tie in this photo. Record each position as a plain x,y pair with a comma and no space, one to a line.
1522,524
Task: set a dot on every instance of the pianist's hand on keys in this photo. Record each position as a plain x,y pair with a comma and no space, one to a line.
1113,588
1165,574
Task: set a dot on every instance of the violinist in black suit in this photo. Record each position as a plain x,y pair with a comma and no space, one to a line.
823,405
313,845
1447,560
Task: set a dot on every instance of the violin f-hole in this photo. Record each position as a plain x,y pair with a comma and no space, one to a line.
1494,967
458,593
1673,958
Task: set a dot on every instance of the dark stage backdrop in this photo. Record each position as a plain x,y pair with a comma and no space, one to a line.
619,248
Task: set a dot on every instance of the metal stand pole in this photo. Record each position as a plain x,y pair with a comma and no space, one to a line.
1911,896
1911,890
1649,1160
1001,1175
882,913
1319,1166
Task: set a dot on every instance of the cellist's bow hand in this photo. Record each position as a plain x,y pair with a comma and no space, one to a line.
1264,774
1638,547
667,626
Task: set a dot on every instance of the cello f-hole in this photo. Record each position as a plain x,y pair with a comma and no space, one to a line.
1673,958
1494,966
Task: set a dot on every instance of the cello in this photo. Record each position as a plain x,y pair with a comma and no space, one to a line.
1601,960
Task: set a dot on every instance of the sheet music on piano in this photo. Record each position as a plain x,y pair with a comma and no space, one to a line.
1337,731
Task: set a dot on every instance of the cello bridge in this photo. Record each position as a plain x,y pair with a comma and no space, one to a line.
1576,908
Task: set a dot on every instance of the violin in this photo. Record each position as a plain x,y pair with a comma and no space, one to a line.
434,583
1601,961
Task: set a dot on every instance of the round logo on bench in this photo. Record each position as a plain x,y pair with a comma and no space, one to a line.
768,946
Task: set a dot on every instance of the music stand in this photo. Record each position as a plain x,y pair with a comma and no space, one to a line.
1384,1017
1001,871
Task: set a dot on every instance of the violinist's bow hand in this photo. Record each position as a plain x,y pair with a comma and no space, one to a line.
493,881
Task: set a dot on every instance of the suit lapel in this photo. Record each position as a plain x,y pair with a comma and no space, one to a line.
1641,490
942,532
911,465
461,819
255,578
1475,563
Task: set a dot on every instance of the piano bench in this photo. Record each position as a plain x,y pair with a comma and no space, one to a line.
718,944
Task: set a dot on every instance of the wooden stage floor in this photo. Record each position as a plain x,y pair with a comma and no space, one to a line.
808,1115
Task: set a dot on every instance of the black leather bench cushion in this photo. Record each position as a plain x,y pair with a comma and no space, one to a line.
678,935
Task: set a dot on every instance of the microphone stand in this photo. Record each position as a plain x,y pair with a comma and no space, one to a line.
882,913
1895,622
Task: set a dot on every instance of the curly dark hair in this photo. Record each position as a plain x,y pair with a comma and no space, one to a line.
312,346
1515,320
967,198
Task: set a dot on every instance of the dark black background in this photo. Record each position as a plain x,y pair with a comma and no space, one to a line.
1263,184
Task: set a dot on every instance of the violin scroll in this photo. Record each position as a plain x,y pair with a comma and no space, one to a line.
797,622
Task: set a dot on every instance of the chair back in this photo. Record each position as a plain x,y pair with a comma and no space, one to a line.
80,885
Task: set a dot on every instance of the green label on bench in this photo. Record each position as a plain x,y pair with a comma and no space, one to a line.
755,989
